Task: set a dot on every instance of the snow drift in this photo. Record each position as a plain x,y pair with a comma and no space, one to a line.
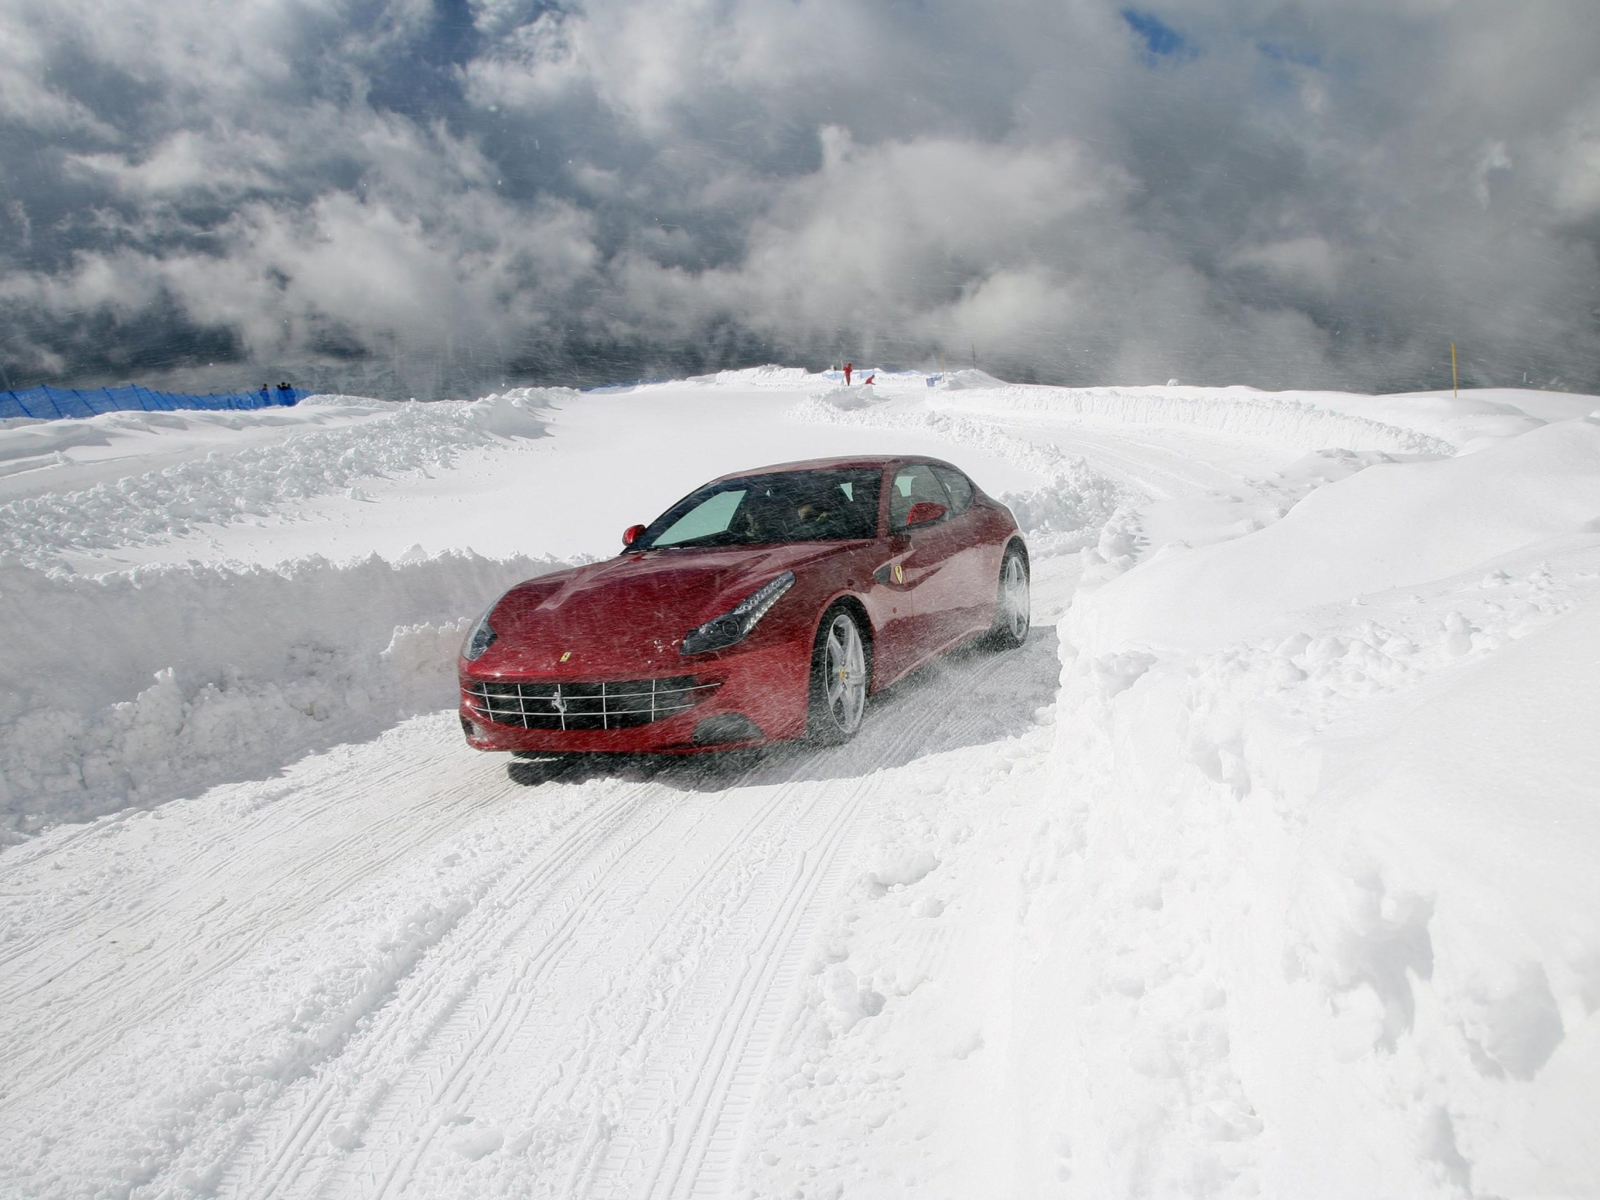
1321,916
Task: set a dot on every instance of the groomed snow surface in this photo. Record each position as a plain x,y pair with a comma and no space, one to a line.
1265,868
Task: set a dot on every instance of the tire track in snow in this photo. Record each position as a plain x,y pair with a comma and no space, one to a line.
158,979
633,957
268,1164
497,1021
736,897
234,848
487,1031
701,1156
750,1005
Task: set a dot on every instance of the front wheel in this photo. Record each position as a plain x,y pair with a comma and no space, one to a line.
839,677
1013,608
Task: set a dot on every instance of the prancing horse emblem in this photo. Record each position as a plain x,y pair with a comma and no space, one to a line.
566,654
899,575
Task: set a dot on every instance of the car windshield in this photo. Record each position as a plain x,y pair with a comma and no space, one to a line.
786,506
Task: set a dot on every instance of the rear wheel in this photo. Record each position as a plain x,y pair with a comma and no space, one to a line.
840,673
1013,608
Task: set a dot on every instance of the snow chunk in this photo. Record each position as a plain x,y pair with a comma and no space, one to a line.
851,999
476,1143
904,871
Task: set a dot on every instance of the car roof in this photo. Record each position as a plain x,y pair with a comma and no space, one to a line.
859,462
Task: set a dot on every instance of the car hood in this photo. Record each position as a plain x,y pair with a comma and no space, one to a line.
630,613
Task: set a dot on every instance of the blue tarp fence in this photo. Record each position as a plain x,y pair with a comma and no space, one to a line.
49,404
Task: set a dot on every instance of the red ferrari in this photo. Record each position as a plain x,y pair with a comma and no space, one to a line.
763,607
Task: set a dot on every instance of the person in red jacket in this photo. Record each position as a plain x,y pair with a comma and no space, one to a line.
848,367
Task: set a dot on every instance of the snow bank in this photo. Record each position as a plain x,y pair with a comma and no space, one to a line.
26,444
1068,513
250,482
851,399
968,378
1319,916
770,375
776,376
1466,420
128,689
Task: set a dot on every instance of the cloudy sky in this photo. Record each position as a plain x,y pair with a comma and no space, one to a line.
431,196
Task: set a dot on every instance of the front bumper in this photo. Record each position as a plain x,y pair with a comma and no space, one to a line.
767,687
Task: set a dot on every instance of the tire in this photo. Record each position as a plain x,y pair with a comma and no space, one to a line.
1013,613
841,673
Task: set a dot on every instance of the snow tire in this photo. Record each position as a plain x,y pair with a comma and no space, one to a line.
841,675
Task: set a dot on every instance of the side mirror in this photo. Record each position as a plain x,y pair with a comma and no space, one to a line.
632,534
923,512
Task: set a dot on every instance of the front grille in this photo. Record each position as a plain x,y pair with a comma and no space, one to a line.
586,705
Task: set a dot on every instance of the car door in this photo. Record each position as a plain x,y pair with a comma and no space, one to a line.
929,568
974,566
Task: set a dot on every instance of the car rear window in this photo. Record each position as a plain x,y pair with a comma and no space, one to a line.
959,487
785,506
914,483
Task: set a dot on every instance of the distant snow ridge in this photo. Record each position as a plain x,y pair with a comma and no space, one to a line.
129,689
1233,412
253,482
771,375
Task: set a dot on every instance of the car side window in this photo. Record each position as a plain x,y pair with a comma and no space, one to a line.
959,487
713,515
913,484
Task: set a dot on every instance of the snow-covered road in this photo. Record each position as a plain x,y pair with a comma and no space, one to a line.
365,975
317,947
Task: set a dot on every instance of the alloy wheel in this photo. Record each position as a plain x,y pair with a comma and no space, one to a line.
845,674
1013,609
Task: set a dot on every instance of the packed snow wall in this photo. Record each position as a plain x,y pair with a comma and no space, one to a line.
124,689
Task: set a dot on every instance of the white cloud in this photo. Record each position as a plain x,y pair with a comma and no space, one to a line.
1575,165
1291,199
1303,261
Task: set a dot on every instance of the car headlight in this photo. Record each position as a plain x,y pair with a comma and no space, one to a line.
735,624
481,638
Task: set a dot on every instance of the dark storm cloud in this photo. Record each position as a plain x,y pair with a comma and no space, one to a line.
432,196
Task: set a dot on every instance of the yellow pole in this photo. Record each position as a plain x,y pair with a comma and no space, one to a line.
1455,383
